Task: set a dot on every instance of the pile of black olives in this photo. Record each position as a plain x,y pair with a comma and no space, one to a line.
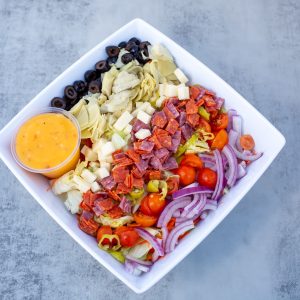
92,78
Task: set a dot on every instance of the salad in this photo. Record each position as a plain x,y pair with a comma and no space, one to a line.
157,153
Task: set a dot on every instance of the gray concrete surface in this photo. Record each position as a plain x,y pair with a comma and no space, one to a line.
255,46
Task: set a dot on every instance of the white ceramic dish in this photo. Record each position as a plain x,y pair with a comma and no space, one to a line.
268,139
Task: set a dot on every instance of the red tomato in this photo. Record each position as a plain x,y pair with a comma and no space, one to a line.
220,140
144,220
152,205
187,174
191,160
207,177
173,183
220,122
101,231
247,142
129,238
203,124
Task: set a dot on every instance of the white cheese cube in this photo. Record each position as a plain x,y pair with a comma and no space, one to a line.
160,101
98,145
82,185
94,165
162,89
88,176
73,200
105,164
150,110
123,121
181,76
144,117
127,129
117,141
101,173
84,149
171,90
90,155
142,134
107,149
109,159
95,187
183,92
138,104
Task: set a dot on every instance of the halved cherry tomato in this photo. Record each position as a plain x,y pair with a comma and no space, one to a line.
220,122
247,142
203,124
192,160
207,177
173,183
152,205
220,140
129,238
187,174
144,220
121,229
105,229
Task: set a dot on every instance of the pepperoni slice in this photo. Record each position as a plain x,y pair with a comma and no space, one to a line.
159,119
191,107
116,212
193,119
172,126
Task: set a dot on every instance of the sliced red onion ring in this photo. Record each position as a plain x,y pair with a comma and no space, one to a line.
165,233
176,233
132,268
190,206
177,213
198,208
232,138
237,126
194,184
210,205
190,191
241,170
143,268
220,173
139,261
204,215
151,239
231,113
169,210
233,165
209,161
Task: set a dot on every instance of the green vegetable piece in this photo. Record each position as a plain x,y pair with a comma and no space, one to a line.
137,194
110,237
164,189
153,186
117,255
203,113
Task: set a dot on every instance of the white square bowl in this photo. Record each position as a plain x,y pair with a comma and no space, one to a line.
268,139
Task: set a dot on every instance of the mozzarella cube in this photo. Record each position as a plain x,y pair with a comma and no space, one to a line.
94,164
160,101
88,176
95,187
90,155
84,149
123,121
127,129
82,185
150,110
98,145
181,76
117,141
162,89
142,134
101,173
107,149
171,90
105,164
144,117
183,92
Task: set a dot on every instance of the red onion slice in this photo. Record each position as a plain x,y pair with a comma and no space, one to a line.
190,191
176,233
190,206
220,173
233,165
231,113
139,261
151,239
169,210
198,208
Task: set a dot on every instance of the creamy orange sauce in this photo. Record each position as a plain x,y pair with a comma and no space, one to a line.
47,140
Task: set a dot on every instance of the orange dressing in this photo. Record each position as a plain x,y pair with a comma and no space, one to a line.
46,141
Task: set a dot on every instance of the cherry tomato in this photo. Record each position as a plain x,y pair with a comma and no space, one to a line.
144,220
155,203
129,238
191,160
203,124
220,140
220,122
121,229
144,208
173,183
187,174
207,177
247,142
105,229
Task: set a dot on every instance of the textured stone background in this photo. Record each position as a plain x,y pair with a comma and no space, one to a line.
255,46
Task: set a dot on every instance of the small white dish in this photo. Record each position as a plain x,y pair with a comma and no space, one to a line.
267,138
